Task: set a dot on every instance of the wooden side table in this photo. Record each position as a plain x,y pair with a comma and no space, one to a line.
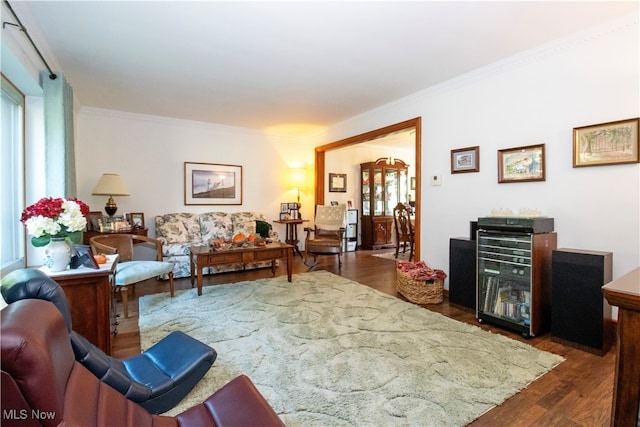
292,232
625,294
89,295
87,235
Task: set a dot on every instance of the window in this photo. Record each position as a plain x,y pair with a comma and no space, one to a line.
12,251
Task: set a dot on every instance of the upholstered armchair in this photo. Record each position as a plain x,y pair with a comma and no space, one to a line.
328,234
128,270
157,379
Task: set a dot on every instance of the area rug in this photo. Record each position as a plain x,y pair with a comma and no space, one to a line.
327,351
392,255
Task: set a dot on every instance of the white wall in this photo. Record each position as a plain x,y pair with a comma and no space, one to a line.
534,98
149,153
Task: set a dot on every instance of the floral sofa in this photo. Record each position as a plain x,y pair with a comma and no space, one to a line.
179,231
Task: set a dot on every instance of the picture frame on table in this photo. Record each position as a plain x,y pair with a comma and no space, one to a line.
521,164
83,256
337,182
284,207
292,205
465,160
94,221
611,143
284,216
212,184
136,220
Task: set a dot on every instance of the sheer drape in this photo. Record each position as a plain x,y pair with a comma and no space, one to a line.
60,169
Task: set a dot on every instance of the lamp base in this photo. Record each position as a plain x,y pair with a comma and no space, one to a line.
110,208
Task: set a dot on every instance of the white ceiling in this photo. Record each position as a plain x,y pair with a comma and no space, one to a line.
270,65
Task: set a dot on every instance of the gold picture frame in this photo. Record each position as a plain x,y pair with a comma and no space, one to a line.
521,164
612,143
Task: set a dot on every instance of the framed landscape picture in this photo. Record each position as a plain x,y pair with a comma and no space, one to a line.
465,160
521,164
611,143
212,184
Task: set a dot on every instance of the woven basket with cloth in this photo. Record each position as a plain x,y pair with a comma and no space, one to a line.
418,283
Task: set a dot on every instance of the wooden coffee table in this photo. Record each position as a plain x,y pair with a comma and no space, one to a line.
203,256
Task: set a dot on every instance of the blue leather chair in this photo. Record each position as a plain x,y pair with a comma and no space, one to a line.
157,379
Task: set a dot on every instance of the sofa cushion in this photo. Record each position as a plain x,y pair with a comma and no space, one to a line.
215,225
178,228
247,228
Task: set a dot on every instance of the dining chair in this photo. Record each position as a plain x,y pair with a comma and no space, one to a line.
403,229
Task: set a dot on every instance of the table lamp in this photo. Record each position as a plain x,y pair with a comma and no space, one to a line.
297,180
110,184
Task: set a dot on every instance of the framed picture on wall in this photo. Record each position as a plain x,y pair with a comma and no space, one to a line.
212,184
465,160
612,143
338,182
521,164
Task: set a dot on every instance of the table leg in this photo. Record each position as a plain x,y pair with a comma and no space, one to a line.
292,237
191,268
289,263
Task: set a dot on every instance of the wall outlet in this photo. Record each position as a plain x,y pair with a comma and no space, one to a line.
436,180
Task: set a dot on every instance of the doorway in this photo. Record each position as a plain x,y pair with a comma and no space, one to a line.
414,124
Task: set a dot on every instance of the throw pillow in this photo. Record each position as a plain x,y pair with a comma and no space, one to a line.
263,228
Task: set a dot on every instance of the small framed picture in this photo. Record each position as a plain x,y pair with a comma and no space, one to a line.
136,220
83,256
284,207
284,216
293,206
465,160
612,143
338,182
521,164
94,221
294,214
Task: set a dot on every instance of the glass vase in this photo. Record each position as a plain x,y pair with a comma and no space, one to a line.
57,254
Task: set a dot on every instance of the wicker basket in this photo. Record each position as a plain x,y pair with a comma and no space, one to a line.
420,292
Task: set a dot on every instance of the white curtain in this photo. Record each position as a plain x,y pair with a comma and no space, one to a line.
60,166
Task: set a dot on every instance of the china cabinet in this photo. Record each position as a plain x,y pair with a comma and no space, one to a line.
384,183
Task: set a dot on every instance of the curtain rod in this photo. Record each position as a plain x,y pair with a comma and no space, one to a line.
52,75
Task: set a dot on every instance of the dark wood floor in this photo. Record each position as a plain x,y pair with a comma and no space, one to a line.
576,393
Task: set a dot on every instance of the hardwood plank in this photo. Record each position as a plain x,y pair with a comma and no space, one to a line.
579,392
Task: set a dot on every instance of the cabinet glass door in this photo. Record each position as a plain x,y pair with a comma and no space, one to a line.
378,191
366,196
391,184
404,186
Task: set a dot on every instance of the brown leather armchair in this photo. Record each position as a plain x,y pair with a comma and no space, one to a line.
43,385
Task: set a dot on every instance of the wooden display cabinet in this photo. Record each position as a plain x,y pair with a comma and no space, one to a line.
383,185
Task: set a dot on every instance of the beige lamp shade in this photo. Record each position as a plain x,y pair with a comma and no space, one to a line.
297,178
110,184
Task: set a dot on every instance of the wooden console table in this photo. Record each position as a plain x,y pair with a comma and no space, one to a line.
87,235
292,232
89,295
625,294
203,256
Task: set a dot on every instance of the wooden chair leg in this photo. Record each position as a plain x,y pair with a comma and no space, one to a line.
124,293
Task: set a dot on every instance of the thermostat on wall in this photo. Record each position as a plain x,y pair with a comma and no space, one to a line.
436,180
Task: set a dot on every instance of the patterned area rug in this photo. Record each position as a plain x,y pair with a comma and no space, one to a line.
392,255
327,351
